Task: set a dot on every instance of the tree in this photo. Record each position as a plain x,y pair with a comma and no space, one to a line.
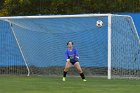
34,7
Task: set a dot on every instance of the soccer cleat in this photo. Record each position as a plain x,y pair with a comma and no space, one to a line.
64,79
84,80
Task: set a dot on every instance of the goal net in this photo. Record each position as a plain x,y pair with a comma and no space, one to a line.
35,45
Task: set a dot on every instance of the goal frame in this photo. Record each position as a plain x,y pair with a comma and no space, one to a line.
70,16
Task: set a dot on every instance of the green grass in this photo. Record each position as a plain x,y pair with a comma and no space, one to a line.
14,84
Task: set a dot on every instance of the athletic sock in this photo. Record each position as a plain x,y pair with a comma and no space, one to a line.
64,74
82,75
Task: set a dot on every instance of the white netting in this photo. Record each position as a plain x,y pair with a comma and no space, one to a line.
125,48
42,42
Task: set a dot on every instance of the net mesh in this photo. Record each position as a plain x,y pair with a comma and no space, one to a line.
11,61
125,48
43,43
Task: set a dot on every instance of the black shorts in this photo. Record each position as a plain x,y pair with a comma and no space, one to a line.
73,61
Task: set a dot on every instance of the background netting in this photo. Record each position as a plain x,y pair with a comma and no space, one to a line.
43,43
125,48
11,61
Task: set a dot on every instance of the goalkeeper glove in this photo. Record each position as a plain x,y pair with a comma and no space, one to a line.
77,57
68,60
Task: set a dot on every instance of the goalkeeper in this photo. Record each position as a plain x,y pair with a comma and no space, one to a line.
72,56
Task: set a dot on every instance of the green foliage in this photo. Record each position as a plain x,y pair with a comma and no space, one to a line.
33,7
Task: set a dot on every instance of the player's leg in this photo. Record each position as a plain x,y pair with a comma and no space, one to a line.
66,69
78,67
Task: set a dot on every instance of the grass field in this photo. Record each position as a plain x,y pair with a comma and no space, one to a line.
15,84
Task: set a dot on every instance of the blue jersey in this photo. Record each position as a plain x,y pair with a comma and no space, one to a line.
72,55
